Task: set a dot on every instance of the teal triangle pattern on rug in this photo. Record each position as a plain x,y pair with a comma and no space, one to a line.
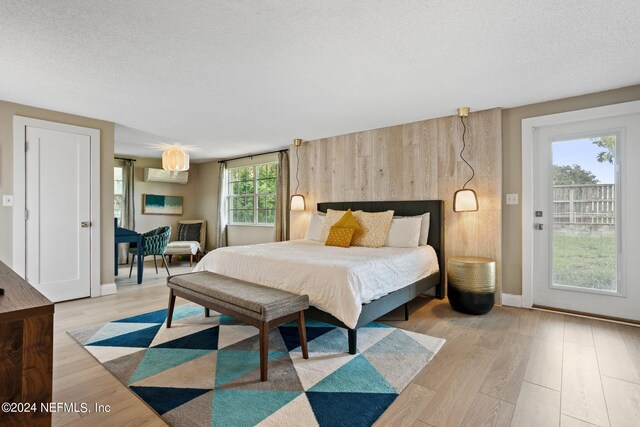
398,342
230,406
203,340
164,399
115,329
156,360
188,377
158,316
139,338
233,364
357,376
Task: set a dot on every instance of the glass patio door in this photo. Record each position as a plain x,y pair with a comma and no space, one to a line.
584,229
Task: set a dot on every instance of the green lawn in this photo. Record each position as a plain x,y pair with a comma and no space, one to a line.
588,262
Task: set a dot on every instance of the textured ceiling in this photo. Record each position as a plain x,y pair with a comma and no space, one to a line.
239,77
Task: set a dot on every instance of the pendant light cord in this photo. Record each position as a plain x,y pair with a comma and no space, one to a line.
297,168
464,145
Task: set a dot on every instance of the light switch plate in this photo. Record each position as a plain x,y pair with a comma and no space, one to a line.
7,200
512,199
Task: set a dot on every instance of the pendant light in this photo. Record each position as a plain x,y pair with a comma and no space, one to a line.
297,200
175,159
465,199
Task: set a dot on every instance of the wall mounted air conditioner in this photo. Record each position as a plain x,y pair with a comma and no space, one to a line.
161,175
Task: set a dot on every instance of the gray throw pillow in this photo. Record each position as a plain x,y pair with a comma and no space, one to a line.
189,232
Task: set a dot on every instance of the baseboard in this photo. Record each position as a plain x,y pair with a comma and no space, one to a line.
108,289
512,300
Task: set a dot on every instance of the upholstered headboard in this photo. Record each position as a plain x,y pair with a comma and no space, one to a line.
405,208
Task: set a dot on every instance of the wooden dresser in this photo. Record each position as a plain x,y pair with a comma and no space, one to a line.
26,349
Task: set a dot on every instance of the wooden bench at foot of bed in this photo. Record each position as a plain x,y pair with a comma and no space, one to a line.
253,304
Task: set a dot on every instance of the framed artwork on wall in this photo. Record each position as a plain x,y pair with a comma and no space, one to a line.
153,204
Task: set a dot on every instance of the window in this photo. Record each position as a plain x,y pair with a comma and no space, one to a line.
117,192
252,194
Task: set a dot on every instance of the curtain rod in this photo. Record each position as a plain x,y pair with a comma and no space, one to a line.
253,155
122,158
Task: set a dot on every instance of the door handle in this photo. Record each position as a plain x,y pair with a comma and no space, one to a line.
538,226
85,224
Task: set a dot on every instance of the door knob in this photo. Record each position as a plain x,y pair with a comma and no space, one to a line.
85,224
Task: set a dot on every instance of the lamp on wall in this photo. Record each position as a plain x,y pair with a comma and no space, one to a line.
465,199
297,200
175,158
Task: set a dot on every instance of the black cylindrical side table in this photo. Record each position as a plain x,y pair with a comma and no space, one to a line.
471,284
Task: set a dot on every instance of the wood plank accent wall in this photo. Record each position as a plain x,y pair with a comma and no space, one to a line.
414,161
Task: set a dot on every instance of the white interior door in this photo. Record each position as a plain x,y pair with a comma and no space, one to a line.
58,213
585,200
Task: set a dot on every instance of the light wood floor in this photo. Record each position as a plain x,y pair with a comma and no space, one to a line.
510,367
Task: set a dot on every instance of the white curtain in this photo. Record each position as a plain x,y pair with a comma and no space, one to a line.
223,207
282,198
128,219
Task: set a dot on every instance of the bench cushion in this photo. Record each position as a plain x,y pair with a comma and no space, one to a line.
256,301
182,248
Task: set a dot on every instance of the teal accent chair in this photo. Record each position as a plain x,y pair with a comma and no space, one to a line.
154,243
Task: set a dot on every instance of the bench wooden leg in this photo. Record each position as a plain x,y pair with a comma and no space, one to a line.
264,350
172,303
206,312
191,260
302,333
406,311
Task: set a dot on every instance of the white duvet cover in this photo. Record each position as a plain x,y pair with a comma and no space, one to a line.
337,280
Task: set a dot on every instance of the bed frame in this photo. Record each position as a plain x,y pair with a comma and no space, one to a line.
377,308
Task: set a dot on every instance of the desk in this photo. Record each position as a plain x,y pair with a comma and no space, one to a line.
26,350
124,235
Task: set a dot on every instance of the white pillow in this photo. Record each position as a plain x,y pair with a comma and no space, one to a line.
404,232
424,227
314,230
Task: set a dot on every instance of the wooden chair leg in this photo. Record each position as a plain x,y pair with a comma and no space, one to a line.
191,260
170,258
302,333
207,313
155,262
406,311
133,258
172,302
264,350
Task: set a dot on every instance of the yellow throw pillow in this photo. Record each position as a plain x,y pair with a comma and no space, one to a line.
349,221
375,226
339,237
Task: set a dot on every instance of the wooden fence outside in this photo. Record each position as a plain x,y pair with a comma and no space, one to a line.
584,204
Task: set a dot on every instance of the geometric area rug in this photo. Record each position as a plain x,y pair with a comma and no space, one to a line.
204,371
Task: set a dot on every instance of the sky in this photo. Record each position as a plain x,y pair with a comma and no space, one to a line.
583,152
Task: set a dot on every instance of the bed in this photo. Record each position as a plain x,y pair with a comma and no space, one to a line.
347,287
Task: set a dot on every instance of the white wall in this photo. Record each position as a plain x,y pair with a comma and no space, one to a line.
207,199
248,235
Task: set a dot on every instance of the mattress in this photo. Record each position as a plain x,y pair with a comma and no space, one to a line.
337,280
